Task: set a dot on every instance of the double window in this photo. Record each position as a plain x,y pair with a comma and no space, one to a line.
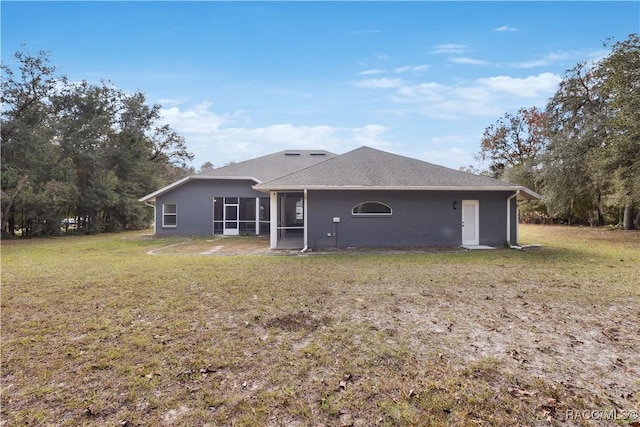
371,209
169,215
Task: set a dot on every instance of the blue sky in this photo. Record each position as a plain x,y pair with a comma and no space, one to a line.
243,79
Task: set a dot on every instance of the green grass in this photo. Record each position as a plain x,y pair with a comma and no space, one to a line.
97,332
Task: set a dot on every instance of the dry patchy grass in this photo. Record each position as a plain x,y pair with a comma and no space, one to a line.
97,332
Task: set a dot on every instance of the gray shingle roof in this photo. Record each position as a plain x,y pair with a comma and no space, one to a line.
363,168
260,169
271,166
366,167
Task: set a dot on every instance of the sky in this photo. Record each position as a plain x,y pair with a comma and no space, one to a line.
242,79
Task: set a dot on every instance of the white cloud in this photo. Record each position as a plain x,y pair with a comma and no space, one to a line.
412,68
382,56
506,28
528,87
484,97
382,83
167,102
471,61
398,70
220,138
472,93
252,142
449,48
199,119
429,92
452,157
448,139
542,61
371,72
369,135
597,55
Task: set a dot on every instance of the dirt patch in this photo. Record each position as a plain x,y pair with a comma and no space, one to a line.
259,245
298,321
219,245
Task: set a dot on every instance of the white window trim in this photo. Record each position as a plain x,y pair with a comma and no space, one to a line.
170,213
372,214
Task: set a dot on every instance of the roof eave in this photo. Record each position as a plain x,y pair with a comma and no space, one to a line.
152,197
524,194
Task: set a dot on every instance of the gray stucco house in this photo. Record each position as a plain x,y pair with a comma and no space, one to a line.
364,198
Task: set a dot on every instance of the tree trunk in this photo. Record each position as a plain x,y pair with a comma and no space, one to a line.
627,222
11,221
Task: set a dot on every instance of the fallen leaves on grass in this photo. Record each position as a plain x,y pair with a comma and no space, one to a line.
96,332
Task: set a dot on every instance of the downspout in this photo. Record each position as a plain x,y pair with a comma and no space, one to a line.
509,216
304,232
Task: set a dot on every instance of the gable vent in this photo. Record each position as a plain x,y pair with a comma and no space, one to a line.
291,154
317,154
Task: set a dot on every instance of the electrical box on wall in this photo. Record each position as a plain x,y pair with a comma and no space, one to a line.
336,219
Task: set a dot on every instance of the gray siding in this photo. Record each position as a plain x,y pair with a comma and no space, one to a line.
194,202
420,218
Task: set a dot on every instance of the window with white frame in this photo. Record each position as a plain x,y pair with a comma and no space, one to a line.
169,215
371,209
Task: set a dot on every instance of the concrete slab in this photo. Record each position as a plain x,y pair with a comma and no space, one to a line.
477,247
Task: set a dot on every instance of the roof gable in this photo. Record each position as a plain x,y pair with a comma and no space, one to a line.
260,169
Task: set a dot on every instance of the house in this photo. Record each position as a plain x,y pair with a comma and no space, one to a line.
363,198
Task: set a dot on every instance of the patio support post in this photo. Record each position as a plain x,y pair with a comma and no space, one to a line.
273,220
305,213
257,216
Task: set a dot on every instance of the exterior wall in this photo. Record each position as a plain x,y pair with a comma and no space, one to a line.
419,218
194,203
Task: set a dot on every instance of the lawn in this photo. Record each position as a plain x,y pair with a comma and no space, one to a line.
96,331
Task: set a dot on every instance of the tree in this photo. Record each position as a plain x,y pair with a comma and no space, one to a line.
512,145
84,150
26,137
206,167
570,176
140,153
620,76
119,151
592,160
84,121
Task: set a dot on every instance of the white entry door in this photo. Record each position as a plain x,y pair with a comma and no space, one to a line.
470,222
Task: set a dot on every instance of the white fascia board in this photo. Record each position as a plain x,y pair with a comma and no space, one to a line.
529,193
152,197
237,178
